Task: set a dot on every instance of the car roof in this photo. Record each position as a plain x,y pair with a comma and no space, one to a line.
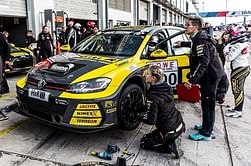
141,28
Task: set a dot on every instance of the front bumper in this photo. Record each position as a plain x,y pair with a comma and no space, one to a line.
70,114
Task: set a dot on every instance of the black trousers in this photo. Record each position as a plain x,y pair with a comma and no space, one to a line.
4,88
159,141
44,54
238,77
208,98
222,86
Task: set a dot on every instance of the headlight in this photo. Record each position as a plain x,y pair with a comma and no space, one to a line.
94,85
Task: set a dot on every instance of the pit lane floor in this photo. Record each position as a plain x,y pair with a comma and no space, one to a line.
27,142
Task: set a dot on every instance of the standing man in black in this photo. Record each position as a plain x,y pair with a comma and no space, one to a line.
29,39
71,33
206,70
4,58
62,36
45,44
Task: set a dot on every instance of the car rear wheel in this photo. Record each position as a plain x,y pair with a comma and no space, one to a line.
131,99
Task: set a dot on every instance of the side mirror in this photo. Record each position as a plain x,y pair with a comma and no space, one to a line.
158,54
65,48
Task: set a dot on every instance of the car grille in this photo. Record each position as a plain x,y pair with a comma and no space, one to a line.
43,109
48,85
22,62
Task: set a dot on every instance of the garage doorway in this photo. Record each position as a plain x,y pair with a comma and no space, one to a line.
17,27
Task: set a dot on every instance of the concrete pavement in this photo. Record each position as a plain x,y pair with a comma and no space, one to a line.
26,142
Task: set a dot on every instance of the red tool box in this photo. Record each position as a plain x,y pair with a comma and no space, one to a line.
191,95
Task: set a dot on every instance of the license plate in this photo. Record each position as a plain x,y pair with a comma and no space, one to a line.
39,94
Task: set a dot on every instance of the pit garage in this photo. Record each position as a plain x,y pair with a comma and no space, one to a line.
13,19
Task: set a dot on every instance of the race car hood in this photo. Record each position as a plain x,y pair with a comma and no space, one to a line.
66,68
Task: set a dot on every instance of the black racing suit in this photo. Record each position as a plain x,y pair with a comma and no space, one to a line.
206,70
45,45
62,39
162,113
4,56
29,40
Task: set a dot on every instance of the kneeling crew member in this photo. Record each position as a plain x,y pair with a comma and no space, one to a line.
161,112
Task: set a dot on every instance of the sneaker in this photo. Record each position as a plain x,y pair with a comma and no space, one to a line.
231,110
198,127
199,137
234,114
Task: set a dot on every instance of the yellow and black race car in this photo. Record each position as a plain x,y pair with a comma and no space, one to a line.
21,59
98,84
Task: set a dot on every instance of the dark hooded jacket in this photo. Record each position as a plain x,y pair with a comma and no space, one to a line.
205,63
161,109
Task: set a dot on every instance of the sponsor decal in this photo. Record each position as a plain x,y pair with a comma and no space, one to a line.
110,104
244,51
68,55
170,69
85,121
79,113
166,65
99,58
87,107
111,110
61,101
62,68
133,67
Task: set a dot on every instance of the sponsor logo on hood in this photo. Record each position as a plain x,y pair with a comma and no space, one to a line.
99,58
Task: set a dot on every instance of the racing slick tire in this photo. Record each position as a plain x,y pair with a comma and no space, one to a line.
130,101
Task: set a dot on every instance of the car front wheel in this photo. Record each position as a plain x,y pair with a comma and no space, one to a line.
131,100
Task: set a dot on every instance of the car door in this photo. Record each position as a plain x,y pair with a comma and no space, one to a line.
176,65
180,55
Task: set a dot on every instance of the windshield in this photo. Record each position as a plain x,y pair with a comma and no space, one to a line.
116,43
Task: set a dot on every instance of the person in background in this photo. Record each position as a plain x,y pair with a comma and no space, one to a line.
29,39
71,33
4,59
95,30
90,26
45,44
237,52
83,33
62,39
77,27
160,111
224,82
206,69
89,31
6,34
